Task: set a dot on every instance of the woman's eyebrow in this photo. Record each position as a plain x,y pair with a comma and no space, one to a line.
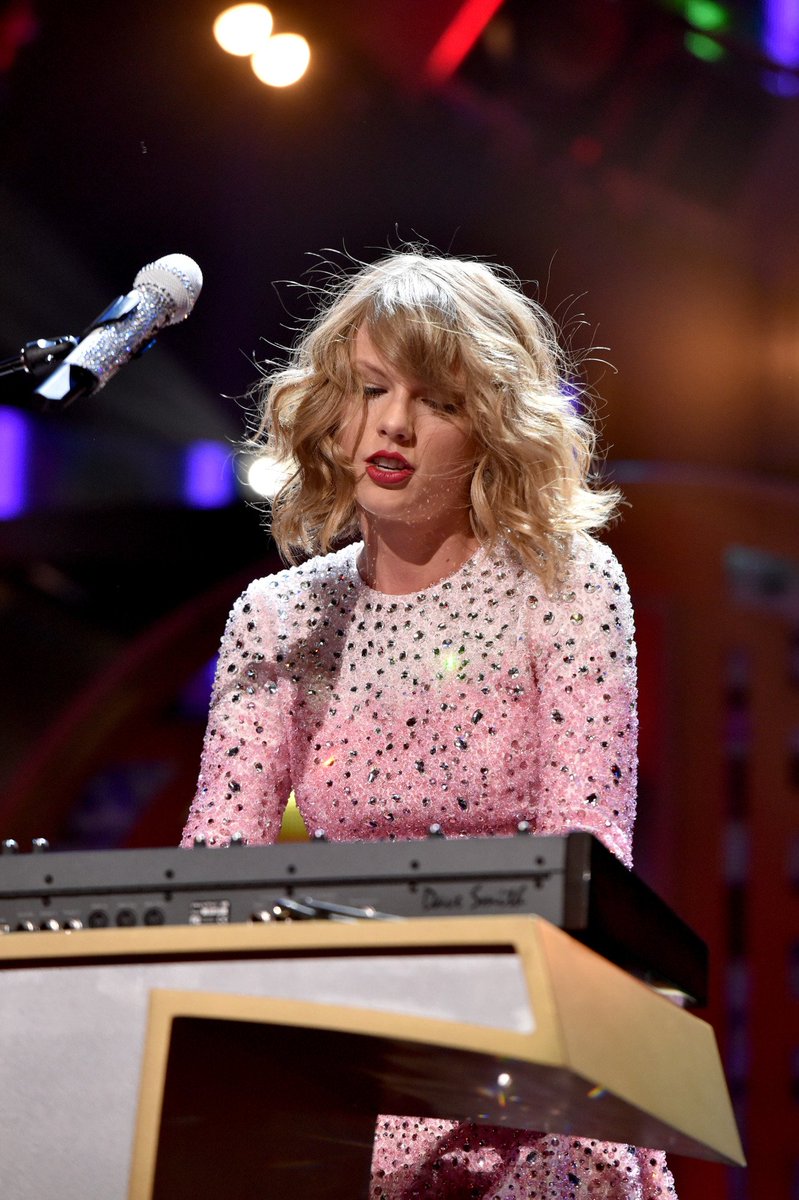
370,368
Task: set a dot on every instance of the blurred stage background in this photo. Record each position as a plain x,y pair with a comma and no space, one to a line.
640,161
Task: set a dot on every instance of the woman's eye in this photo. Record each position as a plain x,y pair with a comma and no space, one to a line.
371,390
442,406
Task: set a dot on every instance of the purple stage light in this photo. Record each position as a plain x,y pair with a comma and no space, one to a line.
208,478
781,44
781,31
14,440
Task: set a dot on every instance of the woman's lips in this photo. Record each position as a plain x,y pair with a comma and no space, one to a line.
388,470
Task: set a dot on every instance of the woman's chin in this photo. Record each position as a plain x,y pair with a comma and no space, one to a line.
390,503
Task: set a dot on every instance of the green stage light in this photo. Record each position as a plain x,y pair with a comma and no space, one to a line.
706,15
704,47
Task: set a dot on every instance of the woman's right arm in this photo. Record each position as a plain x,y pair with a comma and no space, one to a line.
245,777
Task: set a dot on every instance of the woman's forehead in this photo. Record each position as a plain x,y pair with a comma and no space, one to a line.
366,348
367,355
409,349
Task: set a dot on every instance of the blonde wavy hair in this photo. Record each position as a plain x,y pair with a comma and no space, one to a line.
467,331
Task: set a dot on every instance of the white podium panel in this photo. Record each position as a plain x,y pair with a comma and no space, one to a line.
428,1014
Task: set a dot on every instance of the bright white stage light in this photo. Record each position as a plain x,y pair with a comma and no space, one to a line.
243,29
265,477
282,60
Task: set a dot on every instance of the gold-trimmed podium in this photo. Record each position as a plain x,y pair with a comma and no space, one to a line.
246,1053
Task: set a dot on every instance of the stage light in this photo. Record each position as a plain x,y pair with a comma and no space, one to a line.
14,458
243,29
781,43
282,60
706,15
781,83
704,47
265,477
208,480
459,37
781,32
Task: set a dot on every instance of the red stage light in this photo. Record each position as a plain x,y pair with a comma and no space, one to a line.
458,38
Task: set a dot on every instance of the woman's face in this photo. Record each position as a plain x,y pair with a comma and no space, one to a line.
413,456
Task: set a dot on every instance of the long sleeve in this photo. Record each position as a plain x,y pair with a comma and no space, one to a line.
244,773
587,684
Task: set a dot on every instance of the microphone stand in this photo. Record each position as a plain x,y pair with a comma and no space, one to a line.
38,358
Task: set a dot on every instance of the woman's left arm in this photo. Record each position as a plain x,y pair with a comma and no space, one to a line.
586,672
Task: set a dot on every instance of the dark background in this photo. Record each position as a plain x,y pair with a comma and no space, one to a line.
647,196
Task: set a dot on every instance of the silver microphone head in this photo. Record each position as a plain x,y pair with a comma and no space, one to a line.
178,278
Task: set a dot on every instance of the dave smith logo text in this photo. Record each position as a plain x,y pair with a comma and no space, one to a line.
481,897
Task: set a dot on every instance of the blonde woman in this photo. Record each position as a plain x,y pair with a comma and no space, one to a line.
468,661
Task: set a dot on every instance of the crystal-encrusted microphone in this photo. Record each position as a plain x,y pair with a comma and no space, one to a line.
164,293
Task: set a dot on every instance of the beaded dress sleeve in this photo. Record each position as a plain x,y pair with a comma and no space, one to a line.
586,675
245,776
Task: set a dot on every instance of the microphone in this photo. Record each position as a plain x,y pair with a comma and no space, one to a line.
164,293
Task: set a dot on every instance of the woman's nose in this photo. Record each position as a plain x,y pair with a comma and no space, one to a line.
395,419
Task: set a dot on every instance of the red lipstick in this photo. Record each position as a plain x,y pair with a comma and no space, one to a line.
388,468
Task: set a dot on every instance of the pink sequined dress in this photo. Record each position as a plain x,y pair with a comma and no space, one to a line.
475,704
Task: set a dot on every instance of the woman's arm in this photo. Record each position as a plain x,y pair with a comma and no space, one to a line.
587,684
244,773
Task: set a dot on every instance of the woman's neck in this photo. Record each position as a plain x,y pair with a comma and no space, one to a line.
399,559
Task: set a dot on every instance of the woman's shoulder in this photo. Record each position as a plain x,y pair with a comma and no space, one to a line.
590,590
589,603
295,584
593,564
585,564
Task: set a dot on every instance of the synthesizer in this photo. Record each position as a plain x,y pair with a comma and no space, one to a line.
571,880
